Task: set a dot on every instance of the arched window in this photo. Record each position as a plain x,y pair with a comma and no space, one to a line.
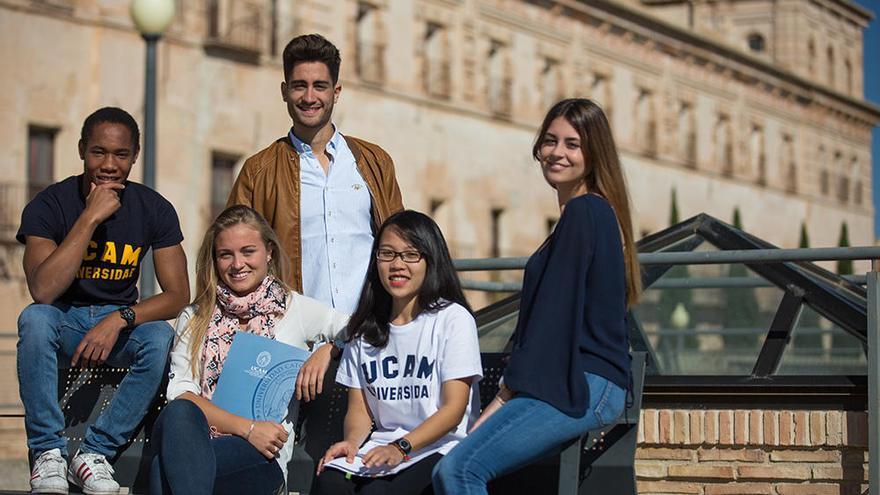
757,43
856,181
687,135
757,159
848,76
811,57
830,68
646,124
787,164
723,145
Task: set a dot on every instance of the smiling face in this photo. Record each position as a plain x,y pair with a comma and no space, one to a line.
241,258
310,94
562,158
401,280
107,154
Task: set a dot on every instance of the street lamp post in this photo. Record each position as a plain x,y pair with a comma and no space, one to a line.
151,17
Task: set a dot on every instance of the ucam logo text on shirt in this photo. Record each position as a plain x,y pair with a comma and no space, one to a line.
389,367
129,257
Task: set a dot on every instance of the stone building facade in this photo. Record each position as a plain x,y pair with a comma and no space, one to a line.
749,104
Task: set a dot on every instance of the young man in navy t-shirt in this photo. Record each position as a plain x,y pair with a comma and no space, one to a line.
85,238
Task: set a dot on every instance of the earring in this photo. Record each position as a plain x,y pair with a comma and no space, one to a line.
268,259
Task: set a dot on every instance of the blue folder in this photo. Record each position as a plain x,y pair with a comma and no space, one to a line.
259,377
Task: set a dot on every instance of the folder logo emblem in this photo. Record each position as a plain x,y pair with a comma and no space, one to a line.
263,359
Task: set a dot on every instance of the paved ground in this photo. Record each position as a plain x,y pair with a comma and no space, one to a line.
14,475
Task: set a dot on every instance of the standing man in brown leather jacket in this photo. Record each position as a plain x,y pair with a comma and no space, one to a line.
322,192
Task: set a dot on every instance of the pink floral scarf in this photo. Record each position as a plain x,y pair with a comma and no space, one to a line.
261,308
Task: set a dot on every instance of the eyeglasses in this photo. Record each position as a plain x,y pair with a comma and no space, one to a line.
387,255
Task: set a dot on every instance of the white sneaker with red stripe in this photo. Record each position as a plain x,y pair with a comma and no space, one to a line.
48,473
93,474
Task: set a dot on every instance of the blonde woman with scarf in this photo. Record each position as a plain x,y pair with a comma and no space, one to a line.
199,447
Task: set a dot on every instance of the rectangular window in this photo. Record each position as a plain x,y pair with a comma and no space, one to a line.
40,159
222,178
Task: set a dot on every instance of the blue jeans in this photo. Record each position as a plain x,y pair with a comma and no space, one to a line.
522,431
48,335
188,461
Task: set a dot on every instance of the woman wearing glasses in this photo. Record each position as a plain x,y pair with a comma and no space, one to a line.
412,365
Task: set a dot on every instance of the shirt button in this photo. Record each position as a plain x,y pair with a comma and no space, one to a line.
332,240
334,265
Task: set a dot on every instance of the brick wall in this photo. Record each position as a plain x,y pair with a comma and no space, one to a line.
752,452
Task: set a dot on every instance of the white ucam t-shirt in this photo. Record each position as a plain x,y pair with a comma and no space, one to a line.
402,381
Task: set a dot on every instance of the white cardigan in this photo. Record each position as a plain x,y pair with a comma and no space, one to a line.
306,322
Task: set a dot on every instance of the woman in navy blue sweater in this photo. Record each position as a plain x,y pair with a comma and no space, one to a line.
569,368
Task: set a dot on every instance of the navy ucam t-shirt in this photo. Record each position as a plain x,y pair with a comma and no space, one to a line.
111,263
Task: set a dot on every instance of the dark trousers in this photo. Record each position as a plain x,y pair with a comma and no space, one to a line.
414,480
188,461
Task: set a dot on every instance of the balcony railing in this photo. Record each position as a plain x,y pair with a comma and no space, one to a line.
235,27
437,78
13,198
500,96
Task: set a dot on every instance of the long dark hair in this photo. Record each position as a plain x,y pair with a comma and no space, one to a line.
604,174
440,288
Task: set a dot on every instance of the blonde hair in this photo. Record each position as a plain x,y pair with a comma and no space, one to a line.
604,174
206,270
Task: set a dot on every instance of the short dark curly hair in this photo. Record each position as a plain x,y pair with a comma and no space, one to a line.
112,115
311,48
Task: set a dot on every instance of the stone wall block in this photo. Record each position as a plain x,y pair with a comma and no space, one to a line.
805,456
856,429
833,428
817,428
807,489
838,473
771,428
651,470
696,471
649,425
739,489
662,453
756,428
696,427
801,428
740,427
777,472
677,487
786,428
725,427
710,433
640,438
681,427
665,423
731,455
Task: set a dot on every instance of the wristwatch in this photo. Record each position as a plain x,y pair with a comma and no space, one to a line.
403,446
128,315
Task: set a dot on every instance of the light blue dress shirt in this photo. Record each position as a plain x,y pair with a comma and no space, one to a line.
335,225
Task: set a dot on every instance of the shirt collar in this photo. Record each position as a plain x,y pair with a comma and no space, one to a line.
301,147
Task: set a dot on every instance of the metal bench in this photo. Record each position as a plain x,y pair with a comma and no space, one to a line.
83,395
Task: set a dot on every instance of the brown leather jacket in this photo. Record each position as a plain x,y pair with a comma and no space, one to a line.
269,183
